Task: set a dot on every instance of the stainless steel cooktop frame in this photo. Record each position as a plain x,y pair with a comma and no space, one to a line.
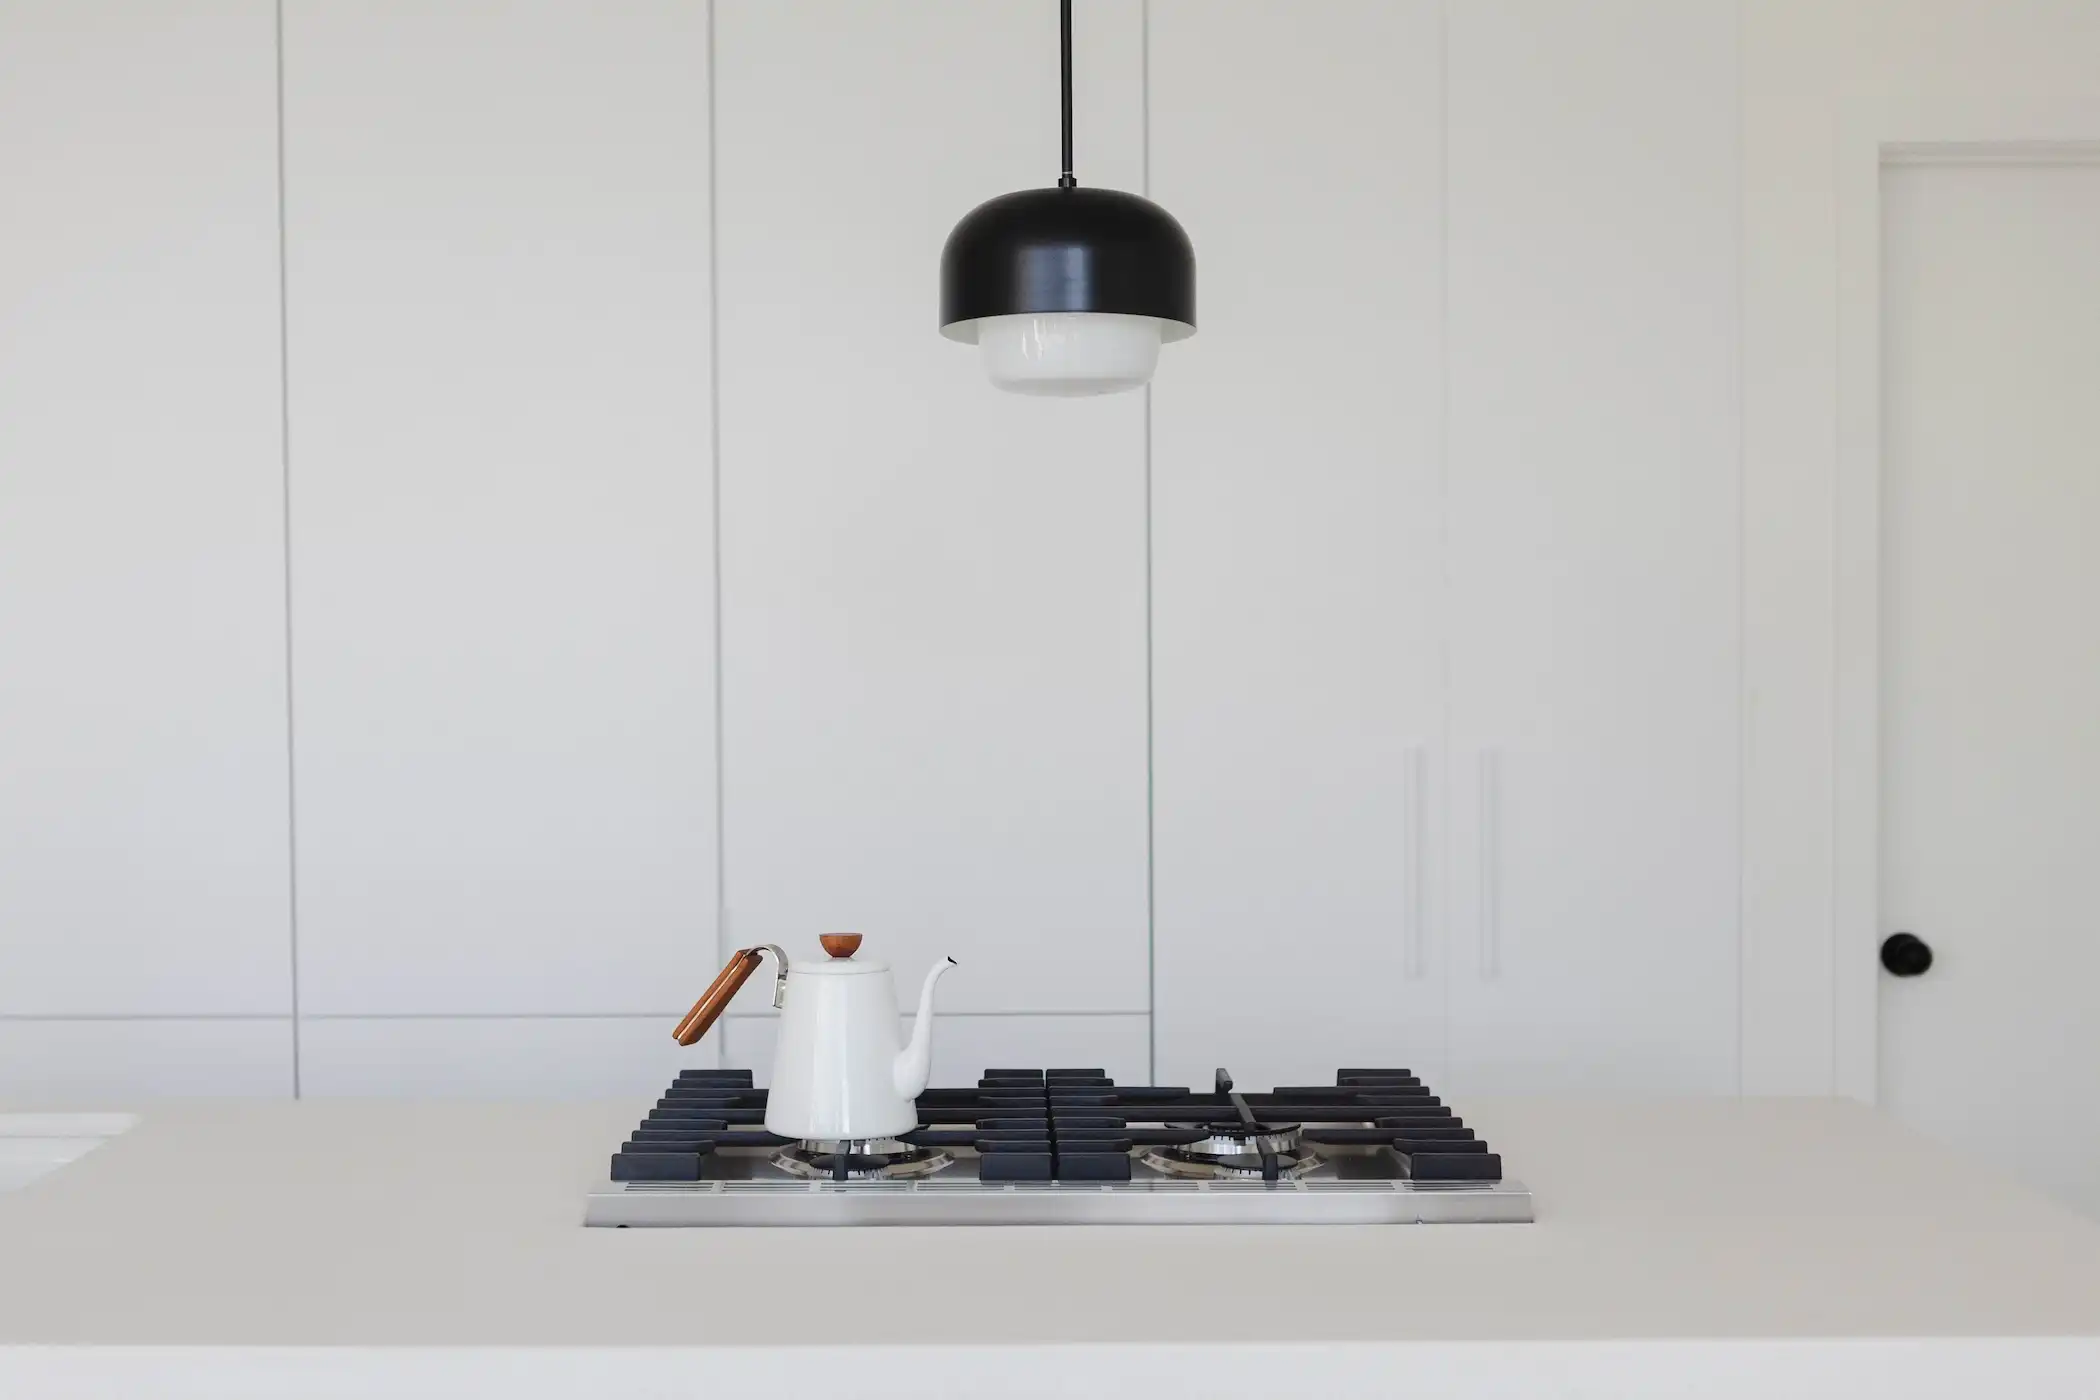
969,1202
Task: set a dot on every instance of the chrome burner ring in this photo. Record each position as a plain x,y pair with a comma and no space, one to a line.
867,1159
1176,1161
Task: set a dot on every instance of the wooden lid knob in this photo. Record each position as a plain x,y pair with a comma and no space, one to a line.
840,945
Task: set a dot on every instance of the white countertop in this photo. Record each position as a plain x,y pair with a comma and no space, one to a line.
456,1225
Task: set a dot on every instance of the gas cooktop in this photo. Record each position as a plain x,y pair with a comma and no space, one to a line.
1068,1147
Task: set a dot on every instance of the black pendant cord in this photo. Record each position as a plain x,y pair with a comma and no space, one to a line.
1066,181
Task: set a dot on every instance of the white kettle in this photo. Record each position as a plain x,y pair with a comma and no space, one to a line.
839,1074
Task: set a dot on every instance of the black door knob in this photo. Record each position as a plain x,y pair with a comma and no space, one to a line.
1906,954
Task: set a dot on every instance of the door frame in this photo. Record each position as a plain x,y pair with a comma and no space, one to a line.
1871,138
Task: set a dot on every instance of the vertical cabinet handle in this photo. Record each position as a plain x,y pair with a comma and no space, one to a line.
1490,817
1413,801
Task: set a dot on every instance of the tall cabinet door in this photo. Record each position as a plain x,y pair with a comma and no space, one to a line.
1593,532
501,519
144,866
1297,567
933,648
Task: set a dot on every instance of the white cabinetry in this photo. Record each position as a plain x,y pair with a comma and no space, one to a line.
1446,569
501,507
144,859
933,594
1593,545
1297,595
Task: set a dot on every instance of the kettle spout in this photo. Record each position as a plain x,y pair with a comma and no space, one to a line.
914,1064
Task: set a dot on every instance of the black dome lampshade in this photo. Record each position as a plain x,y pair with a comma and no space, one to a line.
1068,291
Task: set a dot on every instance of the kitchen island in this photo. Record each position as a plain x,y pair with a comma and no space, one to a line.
1719,1247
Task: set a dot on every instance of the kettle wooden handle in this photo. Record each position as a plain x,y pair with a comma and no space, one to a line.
715,1000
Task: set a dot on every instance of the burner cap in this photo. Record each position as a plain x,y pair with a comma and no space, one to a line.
1244,1140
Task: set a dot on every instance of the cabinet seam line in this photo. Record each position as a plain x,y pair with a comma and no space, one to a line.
284,429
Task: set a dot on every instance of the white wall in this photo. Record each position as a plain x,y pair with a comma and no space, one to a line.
486,525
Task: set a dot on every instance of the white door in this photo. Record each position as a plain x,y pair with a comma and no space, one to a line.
1991,661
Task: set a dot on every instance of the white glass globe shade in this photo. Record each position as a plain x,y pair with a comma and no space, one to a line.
1069,353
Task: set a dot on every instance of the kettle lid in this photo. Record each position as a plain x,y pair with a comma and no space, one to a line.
841,962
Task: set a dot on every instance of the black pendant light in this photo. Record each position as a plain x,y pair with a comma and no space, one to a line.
1068,291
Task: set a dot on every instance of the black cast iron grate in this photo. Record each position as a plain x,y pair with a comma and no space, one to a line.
1078,1125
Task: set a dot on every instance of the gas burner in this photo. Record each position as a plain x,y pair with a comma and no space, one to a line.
1238,1150
862,1159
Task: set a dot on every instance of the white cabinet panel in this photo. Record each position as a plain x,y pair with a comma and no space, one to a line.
143,810
1592,193
933,644
493,1057
116,1063
497,226
1297,560
964,1047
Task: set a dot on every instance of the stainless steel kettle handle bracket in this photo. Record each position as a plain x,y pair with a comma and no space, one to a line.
780,977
